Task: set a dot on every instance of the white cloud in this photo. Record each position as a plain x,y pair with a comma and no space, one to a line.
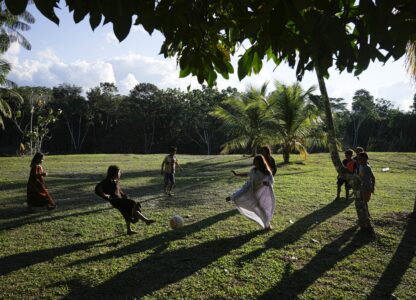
48,69
128,83
110,38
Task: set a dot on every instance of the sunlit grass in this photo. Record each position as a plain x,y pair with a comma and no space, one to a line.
314,251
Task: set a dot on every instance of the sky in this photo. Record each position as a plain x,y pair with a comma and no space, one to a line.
74,54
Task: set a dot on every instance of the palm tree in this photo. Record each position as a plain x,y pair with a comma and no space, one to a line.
10,27
4,106
294,118
246,119
411,59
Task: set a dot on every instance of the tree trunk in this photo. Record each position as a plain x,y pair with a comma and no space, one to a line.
332,144
360,206
286,154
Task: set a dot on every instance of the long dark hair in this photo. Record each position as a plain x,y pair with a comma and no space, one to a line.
265,150
112,171
37,159
263,166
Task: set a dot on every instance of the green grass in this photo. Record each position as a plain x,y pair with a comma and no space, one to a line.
314,251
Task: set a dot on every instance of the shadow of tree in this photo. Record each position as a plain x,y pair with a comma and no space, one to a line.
398,265
294,232
296,283
161,269
161,241
42,217
23,260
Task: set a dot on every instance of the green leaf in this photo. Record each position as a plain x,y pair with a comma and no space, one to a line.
121,27
184,72
16,7
46,7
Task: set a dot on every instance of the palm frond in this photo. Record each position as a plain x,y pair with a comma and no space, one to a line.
410,60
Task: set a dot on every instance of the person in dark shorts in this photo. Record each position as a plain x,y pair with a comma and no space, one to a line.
169,164
350,165
109,189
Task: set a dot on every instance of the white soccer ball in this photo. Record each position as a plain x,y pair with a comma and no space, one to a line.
176,222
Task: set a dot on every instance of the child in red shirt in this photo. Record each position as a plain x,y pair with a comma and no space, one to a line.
351,166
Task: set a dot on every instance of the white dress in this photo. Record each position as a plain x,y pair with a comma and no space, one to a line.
256,200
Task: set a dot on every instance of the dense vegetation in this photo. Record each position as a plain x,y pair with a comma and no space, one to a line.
149,119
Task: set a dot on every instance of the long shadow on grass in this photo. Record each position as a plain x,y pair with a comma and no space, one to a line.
161,269
161,241
18,261
41,218
398,265
296,283
294,232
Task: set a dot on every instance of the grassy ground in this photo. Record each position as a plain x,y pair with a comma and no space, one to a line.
314,252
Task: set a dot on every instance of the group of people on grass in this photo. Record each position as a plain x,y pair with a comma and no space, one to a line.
255,199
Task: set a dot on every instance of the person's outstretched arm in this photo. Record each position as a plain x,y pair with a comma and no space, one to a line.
239,174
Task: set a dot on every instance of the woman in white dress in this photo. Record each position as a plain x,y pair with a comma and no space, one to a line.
255,199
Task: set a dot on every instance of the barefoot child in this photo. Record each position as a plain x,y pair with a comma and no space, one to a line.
109,189
169,164
255,199
350,166
368,182
37,193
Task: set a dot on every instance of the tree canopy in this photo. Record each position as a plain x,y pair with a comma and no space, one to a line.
204,34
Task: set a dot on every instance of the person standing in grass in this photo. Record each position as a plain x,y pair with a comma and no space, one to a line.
350,166
368,182
255,199
267,154
37,193
109,189
169,164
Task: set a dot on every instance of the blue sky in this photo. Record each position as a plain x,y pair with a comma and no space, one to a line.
73,53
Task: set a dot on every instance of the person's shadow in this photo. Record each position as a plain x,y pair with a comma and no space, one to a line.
162,267
18,261
294,232
398,265
159,270
293,284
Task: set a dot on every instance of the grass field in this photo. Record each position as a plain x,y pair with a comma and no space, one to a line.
80,250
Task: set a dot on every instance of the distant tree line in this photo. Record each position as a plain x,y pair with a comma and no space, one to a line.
64,120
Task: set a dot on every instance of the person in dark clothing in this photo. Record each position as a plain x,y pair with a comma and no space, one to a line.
109,189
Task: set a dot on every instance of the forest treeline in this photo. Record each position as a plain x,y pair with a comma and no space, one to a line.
64,120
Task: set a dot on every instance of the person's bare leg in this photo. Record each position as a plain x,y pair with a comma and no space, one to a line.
338,191
129,231
143,218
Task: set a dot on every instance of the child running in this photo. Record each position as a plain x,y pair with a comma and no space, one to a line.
350,165
109,189
255,199
169,164
37,193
